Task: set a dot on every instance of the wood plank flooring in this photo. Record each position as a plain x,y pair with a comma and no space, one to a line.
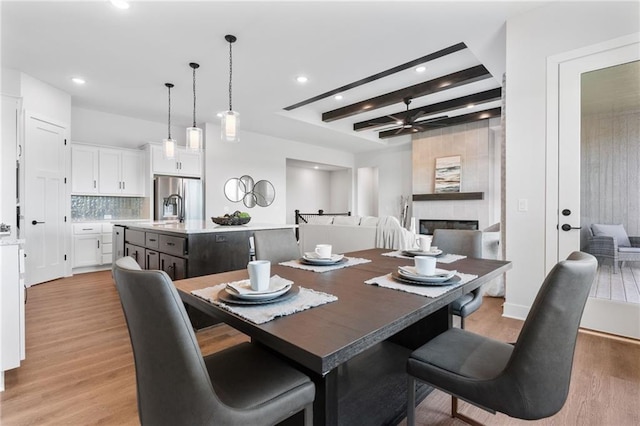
621,287
79,367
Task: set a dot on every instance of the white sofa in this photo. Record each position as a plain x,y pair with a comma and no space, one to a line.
344,233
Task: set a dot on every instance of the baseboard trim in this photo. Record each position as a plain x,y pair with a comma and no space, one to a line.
514,311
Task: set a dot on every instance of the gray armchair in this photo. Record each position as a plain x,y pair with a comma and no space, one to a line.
528,380
242,385
610,242
276,245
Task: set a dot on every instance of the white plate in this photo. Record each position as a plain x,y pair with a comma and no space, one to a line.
335,258
422,253
242,289
441,275
401,278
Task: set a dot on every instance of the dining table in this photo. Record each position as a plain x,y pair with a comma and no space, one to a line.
356,347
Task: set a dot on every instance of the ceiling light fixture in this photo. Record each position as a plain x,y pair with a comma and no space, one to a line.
169,145
470,106
120,4
338,97
194,134
230,119
421,68
302,79
78,80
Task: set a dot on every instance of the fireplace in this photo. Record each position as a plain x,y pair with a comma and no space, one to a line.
428,225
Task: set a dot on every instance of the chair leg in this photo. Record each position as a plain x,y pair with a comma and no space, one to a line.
461,322
615,267
411,401
456,415
308,415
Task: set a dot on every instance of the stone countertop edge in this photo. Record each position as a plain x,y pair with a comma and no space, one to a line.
200,227
11,241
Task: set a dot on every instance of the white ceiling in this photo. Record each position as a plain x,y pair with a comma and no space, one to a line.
127,56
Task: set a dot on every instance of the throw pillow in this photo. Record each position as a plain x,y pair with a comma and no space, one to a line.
615,231
369,221
346,220
320,220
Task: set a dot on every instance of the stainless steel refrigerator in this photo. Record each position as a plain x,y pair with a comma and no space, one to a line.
173,195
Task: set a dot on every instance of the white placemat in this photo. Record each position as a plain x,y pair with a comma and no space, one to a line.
351,261
446,258
259,314
428,291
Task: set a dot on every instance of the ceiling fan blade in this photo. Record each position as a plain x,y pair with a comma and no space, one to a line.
433,119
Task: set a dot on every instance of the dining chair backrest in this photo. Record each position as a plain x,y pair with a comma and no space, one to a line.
540,366
276,245
172,380
458,241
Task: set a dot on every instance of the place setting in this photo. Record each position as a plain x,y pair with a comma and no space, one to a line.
322,259
423,247
423,278
263,297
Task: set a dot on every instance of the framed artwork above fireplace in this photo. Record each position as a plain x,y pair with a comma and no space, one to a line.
448,173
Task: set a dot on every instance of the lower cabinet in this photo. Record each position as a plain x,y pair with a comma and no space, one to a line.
137,252
152,259
175,267
86,250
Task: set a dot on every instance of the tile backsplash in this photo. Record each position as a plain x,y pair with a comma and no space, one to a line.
85,207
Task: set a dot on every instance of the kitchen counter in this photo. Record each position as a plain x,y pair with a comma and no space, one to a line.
199,226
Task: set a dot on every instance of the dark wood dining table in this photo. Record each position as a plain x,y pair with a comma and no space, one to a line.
355,348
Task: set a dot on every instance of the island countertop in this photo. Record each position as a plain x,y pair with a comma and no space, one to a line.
199,226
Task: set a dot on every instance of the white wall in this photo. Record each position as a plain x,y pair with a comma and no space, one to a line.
367,190
261,157
531,38
45,100
341,188
394,176
308,190
102,128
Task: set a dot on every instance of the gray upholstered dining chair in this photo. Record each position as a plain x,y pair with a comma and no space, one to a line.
276,245
242,385
467,243
528,380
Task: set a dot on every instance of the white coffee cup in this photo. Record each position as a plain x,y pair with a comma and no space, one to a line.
259,274
323,251
423,242
425,265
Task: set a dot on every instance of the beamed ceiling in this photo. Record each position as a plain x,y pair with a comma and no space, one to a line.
458,99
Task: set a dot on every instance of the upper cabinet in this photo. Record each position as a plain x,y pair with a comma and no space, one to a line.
185,163
107,171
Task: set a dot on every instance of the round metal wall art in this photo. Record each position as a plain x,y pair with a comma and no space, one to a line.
261,193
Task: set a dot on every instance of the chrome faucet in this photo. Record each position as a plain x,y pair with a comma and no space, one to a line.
180,205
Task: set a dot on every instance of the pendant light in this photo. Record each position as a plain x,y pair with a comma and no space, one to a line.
169,145
194,134
230,119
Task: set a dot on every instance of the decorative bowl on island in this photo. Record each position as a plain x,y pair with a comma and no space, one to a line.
236,218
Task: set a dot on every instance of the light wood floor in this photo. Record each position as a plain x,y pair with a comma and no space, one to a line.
621,287
79,367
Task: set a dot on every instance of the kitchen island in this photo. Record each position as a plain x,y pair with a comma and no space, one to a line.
189,249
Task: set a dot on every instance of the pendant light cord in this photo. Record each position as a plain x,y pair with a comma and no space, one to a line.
169,120
194,96
230,74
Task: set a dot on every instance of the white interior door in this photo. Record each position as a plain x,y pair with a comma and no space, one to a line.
44,200
600,314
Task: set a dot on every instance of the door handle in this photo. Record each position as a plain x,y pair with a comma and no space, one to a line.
567,227
35,222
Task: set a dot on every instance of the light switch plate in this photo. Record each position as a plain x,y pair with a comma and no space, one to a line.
523,205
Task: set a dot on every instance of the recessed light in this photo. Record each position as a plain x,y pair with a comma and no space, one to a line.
219,115
470,106
316,167
78,80
421,68
302,79
338,97
120,4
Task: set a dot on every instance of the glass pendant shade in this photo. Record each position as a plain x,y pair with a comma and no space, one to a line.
194,138
230,126
169,148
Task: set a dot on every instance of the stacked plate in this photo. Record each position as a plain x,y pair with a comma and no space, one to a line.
240,292
417,252
409,275
312,258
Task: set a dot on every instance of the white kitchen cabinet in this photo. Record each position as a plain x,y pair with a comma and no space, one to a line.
84,169
12,333
185,163
120,172
92,244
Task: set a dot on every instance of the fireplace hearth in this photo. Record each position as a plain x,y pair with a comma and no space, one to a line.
427,226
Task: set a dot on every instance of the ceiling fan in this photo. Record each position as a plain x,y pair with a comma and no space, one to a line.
409,122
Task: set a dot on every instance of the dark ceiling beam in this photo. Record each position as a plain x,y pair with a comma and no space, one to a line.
459,78
430,57
446,122
437,108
